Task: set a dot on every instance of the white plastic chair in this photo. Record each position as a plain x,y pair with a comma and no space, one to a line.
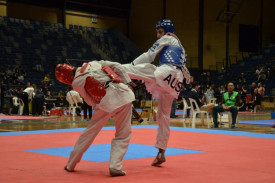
18,102
73,108
185,108
198,111
228,113
256,107
213,100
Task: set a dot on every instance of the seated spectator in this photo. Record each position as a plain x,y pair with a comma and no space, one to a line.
20,79
268,76
261,89
242,92
15,92
47,78
242,105
14,77
22,71
230,101
194,95
252,88
258,71
222,90
242,78
173,109
255,100
262,77
209,93
20,93
37,66
45,86
60,97
7,78
49,95
29,84
175,103
9,93
9,70
16,69
60,93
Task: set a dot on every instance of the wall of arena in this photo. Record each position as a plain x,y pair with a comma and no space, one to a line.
3,8
34,12
184,14
105,22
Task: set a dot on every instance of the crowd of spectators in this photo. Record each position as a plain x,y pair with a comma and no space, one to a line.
250,96
13,78
12,74
264,73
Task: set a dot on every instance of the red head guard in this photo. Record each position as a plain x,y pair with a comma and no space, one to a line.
63,73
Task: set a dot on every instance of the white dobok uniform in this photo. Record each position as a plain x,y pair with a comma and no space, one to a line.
30,92
73,97
117,102
163,81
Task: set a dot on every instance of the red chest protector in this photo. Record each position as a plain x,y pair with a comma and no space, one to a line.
94,88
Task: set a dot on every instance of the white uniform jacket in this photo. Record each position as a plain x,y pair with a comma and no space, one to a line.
117,94
73,97
166,78
30,92
150,55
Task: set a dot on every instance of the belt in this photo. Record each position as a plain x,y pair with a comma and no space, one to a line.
106,84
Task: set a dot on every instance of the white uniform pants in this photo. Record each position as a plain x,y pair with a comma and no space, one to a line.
119,144
163,119
165,95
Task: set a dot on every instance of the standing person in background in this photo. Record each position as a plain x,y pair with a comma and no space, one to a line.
261,89
38,102
255,100
252,88
163,81
74,99
86,108
27,97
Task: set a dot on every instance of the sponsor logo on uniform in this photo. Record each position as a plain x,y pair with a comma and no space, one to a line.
155,45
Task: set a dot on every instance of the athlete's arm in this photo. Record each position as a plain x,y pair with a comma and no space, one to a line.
118,69
151,54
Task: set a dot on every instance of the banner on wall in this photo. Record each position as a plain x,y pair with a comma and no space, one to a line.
94,19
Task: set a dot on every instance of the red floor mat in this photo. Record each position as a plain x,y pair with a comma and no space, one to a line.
228,158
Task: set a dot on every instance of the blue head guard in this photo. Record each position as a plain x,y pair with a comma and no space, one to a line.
167,25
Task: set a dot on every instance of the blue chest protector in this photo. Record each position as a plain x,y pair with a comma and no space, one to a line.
171,54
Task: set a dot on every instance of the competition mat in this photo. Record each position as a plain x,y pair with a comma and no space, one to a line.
193,155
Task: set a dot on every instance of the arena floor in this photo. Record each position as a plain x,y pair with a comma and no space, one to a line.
259,122
35,149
